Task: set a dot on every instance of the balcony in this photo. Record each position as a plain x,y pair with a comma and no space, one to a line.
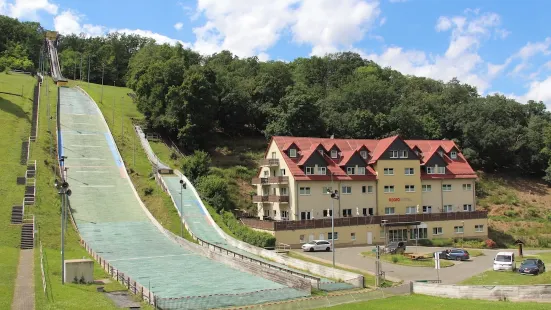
270,162
257,181
260,198
280,199
270,180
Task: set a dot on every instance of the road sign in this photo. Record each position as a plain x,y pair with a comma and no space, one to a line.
437,260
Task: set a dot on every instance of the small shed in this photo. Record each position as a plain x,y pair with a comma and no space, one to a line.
520,243
79,270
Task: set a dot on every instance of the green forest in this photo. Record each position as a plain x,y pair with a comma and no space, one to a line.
191,97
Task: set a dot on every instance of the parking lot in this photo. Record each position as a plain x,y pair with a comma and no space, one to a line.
462,270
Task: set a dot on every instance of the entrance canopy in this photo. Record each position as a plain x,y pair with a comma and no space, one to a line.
401,224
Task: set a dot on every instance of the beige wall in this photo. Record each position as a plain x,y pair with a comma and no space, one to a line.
399,180
457,196
292,237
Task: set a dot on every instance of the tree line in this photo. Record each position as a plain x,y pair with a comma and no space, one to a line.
20,44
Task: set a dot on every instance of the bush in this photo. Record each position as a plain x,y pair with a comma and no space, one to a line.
395,259
214,190
242,232
425,242
490,244
148,191
510,213
442,242
196,166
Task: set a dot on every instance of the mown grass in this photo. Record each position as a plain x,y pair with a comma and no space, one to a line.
15,120
406,261
513,278
422,302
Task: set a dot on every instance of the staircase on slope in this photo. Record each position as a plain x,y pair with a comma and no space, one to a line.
27,236
17,215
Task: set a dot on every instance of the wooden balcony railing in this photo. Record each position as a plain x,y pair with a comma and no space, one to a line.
260,198
271,180
257,181
269,162
275,198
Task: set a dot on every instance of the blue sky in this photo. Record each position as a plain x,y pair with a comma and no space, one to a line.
498,46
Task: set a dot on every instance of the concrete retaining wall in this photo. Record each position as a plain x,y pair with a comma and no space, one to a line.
488,292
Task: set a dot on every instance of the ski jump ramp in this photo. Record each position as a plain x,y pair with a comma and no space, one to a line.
113,221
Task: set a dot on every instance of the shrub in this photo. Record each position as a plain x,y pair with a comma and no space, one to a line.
214,190
394,259
425,242
510,213
442,242
490,244
148,191
242,232
196,165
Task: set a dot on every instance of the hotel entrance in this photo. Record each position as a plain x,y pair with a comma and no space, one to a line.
399,231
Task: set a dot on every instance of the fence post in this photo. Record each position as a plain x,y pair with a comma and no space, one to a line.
141,295
128,281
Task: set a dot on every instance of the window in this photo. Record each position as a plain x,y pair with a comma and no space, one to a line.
330,236
327,190
404,154
441,170
446,187
389,171
479,228
447,208
301,238
367,211
283,191
293,153
353,236
320,151
389,210
327,213
427,209
389,188
285,215
382,233
347,190
275,213
458,229
467,187
266,212
361,171
430,170
409,171
411,210
346,212
282,171
437,231
363,154
309,170
410,188
304,191
305,215
322,170
364,189
467,208
334,154
393,154
350,170
441,153
419,233
266,173
367,189
427,188
453,155
274,155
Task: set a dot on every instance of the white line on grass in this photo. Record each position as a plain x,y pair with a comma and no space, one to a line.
149,257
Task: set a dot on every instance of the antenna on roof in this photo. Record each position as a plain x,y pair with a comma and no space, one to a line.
332,136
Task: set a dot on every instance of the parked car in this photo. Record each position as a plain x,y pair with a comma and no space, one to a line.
317,245
457,254
505,261
531,266
396,247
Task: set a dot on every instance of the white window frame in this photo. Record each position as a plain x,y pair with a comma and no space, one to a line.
346,212
284,214
453,155
447,209
348,190
388,171
440,170
327,212
331,234
370,189
479,228
363,154
304,191
426,188
410,188
404,154
446,187
350,170
389,189
441,153
360,171
430,170
309,170
427,209
459,229
327,190
389,209
438,230
394,154
467,187
409,171
409,210
283,191
467,206
282,171
293,153
353,236
302,238
266,173
322,170
334,154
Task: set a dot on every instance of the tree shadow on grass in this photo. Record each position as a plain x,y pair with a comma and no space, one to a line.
12,108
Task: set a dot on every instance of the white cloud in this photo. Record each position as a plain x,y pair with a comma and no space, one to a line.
27,9
178,26
538,91
159,38
525,54
461,59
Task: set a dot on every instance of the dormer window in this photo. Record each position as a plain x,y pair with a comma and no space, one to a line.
430,170
393,154
309,170
441,153
453,155
360,171
350,170
334,154
293,153
440,170
321,151
322,170
363,154
404,154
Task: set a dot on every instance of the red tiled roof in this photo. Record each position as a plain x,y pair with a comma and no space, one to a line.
457,168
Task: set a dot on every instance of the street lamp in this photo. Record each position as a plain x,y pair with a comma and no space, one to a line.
334,196
463,234
183,186
64,191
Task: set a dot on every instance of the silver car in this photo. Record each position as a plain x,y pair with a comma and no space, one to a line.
317,245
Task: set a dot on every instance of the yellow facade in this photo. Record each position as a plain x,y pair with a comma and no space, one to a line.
399,199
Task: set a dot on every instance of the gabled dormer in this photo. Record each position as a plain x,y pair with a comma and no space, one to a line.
363,151
292,150
395,148
453,154
319,148
417,151
355,164
334,152
313,163
440,151
435,163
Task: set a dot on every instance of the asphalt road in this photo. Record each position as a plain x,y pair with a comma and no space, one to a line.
351,257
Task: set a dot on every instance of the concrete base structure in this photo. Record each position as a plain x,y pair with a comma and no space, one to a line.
541,293
77,270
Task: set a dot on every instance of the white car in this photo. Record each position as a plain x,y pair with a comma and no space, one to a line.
505,261
317,245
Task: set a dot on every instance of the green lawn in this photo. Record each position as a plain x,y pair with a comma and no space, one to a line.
513,278
414,302
15,120
403,260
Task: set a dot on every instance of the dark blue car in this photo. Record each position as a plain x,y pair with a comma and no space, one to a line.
457,254
532,266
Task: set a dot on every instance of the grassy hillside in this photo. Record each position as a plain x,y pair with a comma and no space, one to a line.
518,208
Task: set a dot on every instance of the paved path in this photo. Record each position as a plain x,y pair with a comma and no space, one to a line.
23,297
450,275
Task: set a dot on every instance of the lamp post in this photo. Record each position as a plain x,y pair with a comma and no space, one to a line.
63,190
183,186
463,234
334,195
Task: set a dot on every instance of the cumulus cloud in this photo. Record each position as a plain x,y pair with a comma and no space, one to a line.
178,26
27,9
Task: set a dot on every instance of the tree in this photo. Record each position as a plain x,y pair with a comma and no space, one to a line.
196,166
214,190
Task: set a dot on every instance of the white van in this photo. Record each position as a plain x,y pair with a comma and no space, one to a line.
505,261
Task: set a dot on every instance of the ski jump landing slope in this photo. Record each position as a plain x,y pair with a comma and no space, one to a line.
114,222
